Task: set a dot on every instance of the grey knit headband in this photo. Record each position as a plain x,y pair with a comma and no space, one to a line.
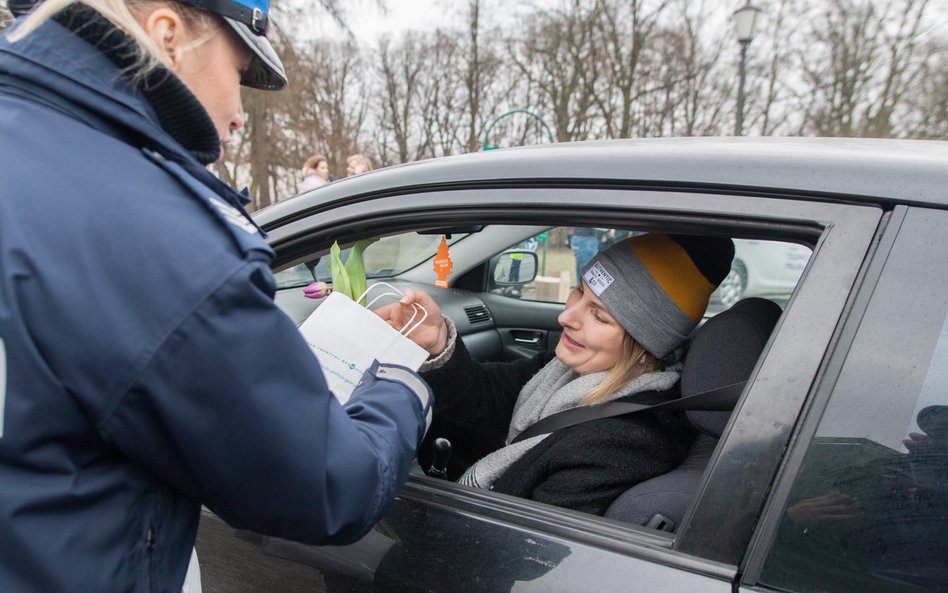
636,301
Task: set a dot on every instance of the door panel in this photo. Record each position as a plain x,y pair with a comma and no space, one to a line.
424,547
525,327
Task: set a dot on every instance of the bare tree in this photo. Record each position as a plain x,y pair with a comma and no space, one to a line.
777,42
442,97
682,92
484,72
590,69
474,75
864,58
556,58
333,106
323,109
258,145
624,31
924,112
401,67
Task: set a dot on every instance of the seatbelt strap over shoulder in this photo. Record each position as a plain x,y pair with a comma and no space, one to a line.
722,399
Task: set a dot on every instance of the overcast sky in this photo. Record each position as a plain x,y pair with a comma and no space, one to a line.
368,21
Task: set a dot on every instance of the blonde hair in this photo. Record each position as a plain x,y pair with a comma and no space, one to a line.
361,159
122,14
634,361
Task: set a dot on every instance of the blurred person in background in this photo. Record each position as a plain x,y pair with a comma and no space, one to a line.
356,164
315,172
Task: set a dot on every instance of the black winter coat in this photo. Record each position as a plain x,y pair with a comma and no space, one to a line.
583,467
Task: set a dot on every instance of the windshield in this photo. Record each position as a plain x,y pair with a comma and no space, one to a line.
387,257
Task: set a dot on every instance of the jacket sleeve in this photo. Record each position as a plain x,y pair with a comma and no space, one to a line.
480,395
587,466
232,410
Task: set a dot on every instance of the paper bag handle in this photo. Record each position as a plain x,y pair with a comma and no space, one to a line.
408,328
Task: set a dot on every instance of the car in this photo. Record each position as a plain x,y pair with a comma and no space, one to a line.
828,473
768,269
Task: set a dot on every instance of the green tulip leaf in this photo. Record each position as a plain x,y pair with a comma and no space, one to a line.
340,276
356,269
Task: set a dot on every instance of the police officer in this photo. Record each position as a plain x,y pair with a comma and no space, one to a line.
144,368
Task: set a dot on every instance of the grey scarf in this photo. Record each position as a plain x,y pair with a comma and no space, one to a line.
555,388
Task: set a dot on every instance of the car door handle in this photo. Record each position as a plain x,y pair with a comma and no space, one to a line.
534,339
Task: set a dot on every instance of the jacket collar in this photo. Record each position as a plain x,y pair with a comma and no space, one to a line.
84,58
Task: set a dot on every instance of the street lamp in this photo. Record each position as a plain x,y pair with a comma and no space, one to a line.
745,20
549,132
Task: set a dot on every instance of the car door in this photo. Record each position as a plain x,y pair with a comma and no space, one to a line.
863,501
440,536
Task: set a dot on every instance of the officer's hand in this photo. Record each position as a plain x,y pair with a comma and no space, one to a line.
831,507
432,334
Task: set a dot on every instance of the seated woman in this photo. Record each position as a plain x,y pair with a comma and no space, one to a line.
637,302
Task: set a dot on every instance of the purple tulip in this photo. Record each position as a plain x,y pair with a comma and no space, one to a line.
316,290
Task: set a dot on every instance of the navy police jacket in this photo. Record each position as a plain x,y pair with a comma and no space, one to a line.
144,368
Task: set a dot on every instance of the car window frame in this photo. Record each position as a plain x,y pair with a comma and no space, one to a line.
844,232
778,388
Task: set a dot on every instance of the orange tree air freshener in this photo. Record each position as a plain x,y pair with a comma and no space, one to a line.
442,264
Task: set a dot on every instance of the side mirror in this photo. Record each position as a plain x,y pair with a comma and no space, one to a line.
513,268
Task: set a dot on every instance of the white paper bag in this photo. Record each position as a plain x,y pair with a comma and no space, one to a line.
347,337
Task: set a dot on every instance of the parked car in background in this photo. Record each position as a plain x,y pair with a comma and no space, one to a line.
767,269
829,472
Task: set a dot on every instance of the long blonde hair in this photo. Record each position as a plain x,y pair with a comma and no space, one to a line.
121,13
634,361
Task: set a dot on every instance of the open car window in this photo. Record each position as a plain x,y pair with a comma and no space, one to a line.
766,269
515,280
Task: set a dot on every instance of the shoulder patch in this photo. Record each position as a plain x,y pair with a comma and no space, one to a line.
233,215
249,238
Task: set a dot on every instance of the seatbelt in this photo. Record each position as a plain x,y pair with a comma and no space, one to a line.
721,399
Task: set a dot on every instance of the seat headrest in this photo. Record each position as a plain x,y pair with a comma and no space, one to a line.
724,351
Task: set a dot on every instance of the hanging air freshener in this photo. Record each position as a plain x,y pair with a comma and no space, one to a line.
442,264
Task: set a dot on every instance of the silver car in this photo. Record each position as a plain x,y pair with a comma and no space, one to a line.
767,269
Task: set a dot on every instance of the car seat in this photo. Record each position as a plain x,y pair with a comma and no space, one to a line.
723,351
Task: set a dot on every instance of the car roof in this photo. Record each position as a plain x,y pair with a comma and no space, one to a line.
865,170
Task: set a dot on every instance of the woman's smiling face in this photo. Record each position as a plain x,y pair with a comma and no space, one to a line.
592,338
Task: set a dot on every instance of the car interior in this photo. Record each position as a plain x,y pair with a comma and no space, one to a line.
723,351
507,285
